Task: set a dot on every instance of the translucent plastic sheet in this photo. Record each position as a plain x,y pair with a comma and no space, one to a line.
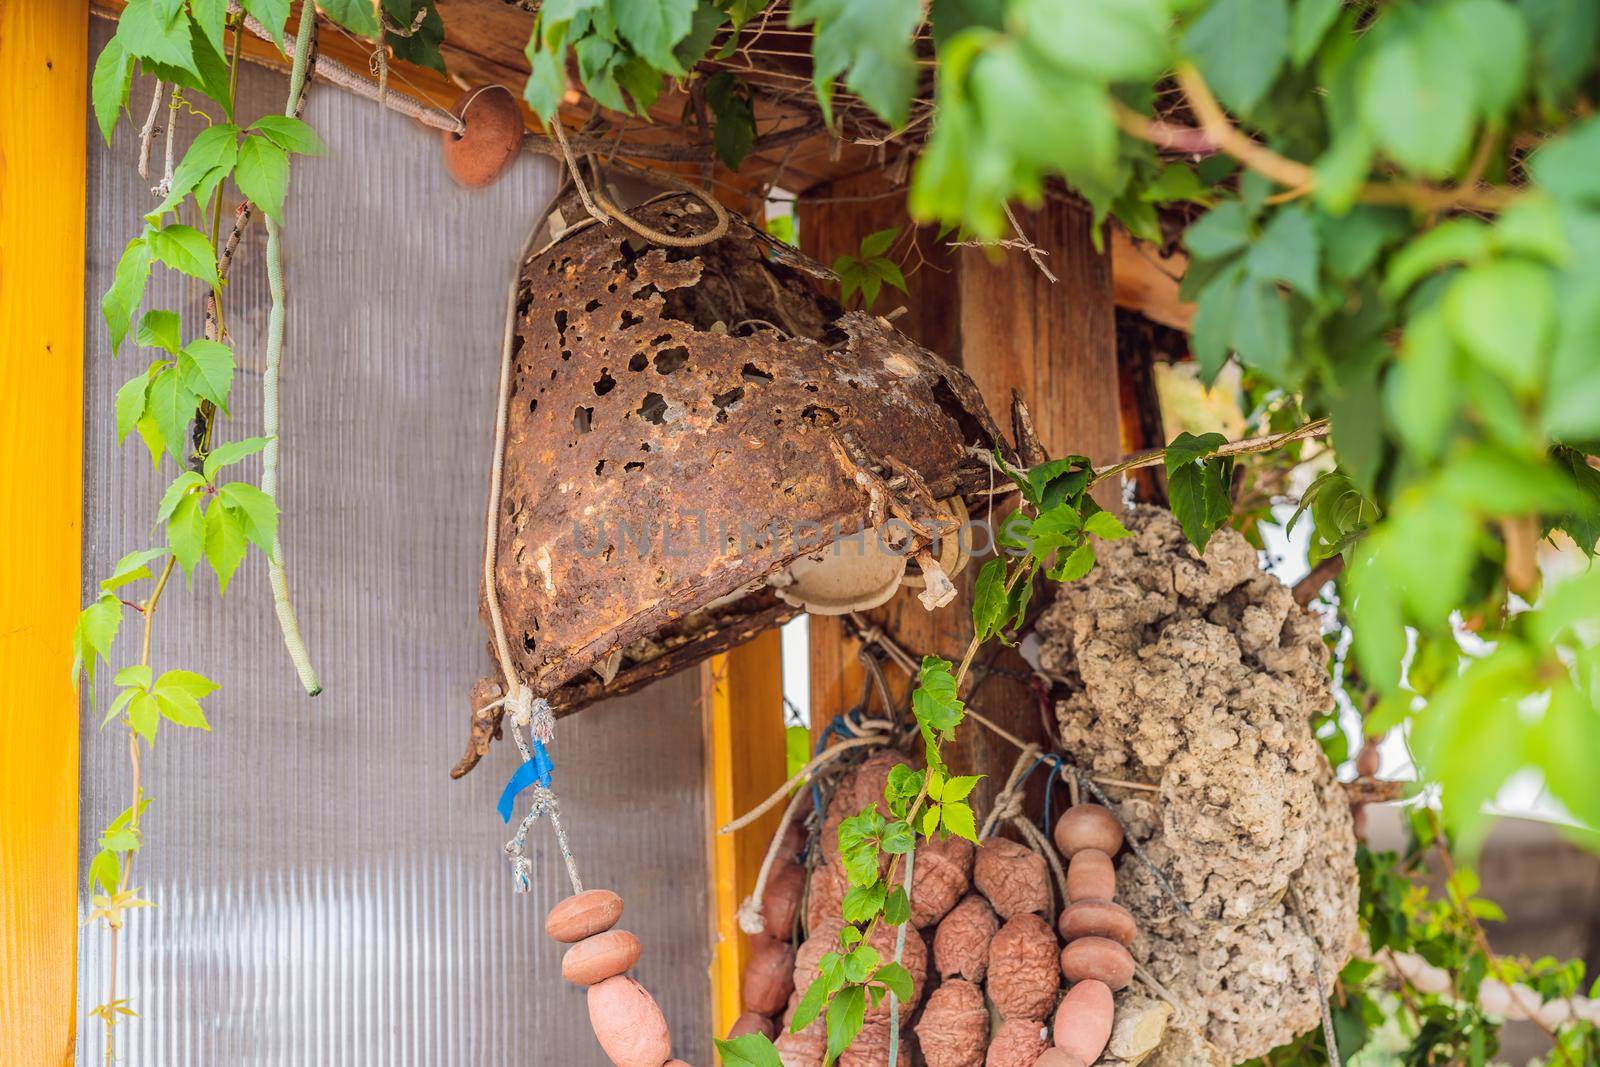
327,895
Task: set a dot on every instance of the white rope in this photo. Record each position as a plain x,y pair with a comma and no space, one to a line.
751,920
802,775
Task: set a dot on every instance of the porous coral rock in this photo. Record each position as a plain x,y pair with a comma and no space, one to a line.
955,1026
1023,972
961,941
1201,675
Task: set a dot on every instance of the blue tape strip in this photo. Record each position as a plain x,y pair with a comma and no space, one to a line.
538,771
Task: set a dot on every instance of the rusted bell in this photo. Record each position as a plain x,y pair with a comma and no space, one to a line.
482,152
691,432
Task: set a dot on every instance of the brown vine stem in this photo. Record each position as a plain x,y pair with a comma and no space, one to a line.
1152,456
1218,133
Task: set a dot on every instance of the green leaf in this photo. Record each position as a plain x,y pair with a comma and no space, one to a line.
1309,25
1176,182
138,675
1186,448
1288,251
989,601
131,402
209,159
897,979
547,80
863,902
1239,46
160,329
133,567
181,708
357,16
810,1006
960,786
654,29
231,452
262,174
898,839
127,290
870,44
845,1015
109,85
93,634
749,1050
150,34
182,486
897,909
187,682
186,532
1212,329
257,512
105,871
1564,165
225,544
1077,563
1503,315
1108,40
1222,230
184,249
1463,240
959,821
1261,330
144,715
1105,526
170,405
290,134
1491,41
735,131
422,45
1416,94
205,368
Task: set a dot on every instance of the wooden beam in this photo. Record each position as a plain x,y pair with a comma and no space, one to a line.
44,79
1146,281
745,762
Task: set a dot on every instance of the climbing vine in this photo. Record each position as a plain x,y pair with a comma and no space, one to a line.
1392,217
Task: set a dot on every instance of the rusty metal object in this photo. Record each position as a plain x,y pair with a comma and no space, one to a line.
685,423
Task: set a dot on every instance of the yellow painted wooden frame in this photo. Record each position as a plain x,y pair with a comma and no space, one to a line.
44,91
745,761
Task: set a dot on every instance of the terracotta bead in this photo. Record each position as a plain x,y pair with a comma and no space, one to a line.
1098,918
583,915
628,1023
769,976
1098,958
1083,1020
594,959
490,143
1058,1057
1090,876
1088,826
752,1022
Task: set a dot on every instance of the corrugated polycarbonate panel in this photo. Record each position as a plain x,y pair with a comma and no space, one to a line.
327,895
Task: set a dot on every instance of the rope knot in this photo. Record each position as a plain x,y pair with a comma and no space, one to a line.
750,918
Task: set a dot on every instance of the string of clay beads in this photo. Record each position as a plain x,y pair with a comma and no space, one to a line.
1097,931
627,1021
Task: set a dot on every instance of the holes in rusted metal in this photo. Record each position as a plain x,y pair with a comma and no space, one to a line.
670,359
654,408
533,404
560,319
723,401
582,419
629,320
753,373
605,383
817,415
632,465
592,306
600,468
529,642
639,361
